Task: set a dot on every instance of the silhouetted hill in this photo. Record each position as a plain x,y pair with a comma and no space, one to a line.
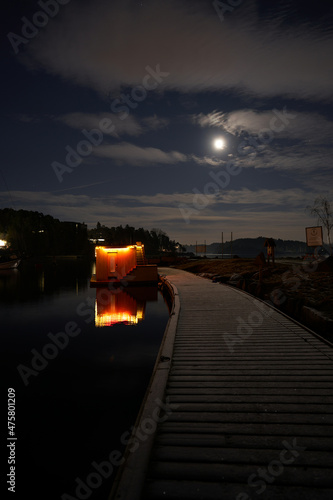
250,247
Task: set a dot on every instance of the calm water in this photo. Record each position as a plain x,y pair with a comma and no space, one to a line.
77,391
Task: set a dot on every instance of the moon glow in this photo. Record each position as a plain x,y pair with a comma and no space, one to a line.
219,143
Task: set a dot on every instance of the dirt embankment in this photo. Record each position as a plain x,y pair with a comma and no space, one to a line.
303,290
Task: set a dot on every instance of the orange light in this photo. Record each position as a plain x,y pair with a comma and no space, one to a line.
112,318
112,308
113,249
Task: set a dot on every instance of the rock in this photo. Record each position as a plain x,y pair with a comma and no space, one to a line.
317,320
236,280
325,266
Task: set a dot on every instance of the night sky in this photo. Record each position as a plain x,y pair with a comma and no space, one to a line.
110,110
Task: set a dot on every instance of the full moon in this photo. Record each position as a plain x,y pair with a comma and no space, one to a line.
219,143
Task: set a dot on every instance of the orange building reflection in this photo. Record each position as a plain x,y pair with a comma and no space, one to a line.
122,306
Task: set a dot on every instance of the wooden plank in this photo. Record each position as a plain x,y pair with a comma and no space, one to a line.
246,417
175,390
231,429
198,370
257,407
221,440
241,455
263,399
196,490
239,473
276,379
295,385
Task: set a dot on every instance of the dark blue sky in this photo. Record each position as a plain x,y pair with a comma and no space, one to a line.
110,110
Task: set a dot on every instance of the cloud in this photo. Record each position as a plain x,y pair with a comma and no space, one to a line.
155,122
26,118
269,197
136,211
283,122
242,198
158,199
208,161
299,143
110,46
213,119
117,126
250,212
78,120
136,155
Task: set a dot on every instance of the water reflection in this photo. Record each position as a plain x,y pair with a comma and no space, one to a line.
122,306
75,409
33,280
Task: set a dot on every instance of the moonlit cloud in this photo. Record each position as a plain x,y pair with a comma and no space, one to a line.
155,122
300,125
271,197
198,52
117,127
300,146
208,161
135,155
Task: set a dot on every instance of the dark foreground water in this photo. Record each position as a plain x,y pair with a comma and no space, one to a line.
79,375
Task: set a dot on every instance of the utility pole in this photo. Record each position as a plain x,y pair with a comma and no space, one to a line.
231,246
222,246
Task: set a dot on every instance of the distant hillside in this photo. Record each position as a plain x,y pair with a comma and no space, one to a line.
250,247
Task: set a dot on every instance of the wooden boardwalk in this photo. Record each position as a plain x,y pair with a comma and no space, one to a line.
248,405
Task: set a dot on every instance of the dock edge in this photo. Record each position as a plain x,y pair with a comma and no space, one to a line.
129,481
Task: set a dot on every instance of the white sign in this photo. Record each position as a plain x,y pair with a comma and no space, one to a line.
314,236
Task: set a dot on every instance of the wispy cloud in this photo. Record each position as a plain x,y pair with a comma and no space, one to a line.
79,121
199,52
304,125
249,210
208,161
155,122
136,155
303,147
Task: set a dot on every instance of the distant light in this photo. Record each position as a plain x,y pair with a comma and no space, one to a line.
219,143
3,243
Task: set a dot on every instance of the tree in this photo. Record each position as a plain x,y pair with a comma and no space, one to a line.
322,209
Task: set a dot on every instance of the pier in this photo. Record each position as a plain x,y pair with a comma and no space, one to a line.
240,404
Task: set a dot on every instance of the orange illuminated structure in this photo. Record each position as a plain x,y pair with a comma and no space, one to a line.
122,305
112,308
123,264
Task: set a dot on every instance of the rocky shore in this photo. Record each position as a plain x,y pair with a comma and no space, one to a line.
301,289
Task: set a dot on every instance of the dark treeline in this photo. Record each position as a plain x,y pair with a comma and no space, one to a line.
155,241
33,233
